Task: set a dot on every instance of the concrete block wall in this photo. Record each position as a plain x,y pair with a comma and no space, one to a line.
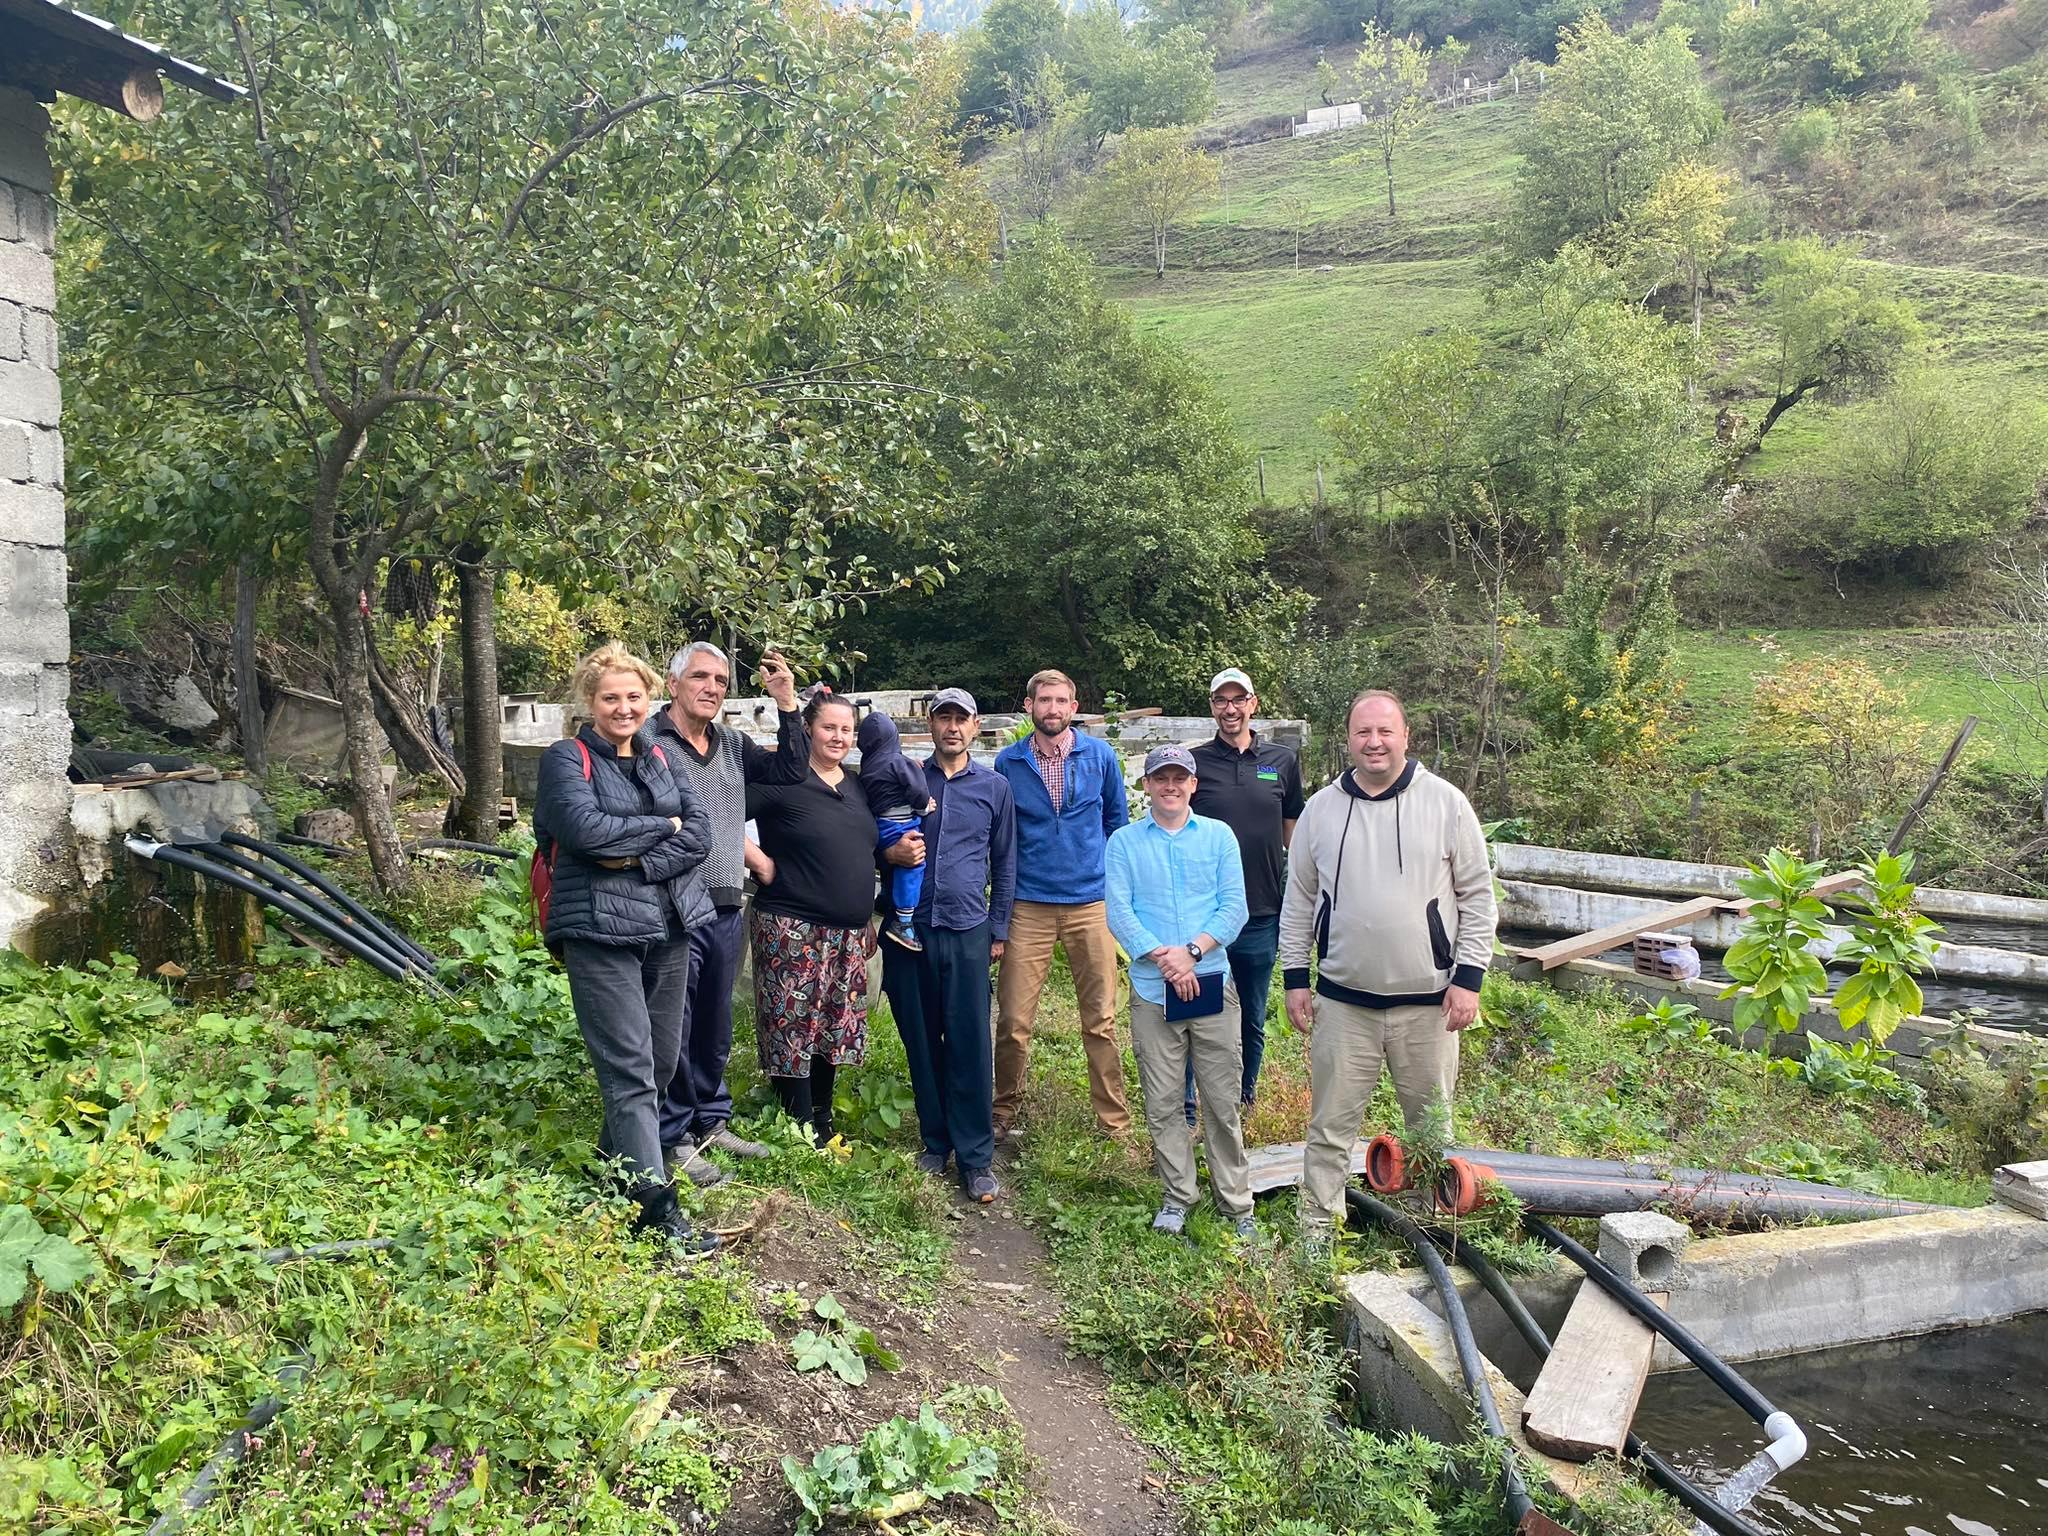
35,630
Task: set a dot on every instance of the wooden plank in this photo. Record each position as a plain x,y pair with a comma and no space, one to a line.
1550,956
1586,1394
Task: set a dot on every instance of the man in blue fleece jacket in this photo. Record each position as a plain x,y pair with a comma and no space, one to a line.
1069,793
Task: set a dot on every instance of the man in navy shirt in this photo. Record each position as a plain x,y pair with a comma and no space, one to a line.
1254,787
939,993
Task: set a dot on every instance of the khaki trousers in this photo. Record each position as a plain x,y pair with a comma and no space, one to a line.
1083,931
1217,1045
1345,1055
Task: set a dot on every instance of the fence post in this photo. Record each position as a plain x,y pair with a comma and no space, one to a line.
1262,477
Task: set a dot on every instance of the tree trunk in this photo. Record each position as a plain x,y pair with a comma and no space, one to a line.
483,767
411,737
248,685
1159,253
365,771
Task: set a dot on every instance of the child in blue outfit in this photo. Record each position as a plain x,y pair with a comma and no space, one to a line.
899,797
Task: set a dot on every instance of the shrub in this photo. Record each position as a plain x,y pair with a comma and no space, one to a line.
1911,482
1830,728
1821,44
1611,695
1806,136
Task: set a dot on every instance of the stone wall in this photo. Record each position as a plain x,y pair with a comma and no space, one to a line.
35,631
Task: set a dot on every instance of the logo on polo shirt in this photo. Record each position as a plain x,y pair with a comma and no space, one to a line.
1269,775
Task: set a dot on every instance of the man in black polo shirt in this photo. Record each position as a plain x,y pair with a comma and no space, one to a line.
1255,787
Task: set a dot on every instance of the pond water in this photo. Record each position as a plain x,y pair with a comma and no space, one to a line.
1945,1435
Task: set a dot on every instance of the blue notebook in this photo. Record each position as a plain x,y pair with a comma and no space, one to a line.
1208,1000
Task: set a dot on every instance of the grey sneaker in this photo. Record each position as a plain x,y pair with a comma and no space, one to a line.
1315,1245
1172,1219
1244,1227
686,1159
981,1186
933,1163
723,1140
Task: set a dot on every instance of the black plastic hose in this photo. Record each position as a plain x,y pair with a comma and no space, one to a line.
1674,1482
468,847
1588,1186
291,907
333,850
1514,1492
232,1450
334,893
258,870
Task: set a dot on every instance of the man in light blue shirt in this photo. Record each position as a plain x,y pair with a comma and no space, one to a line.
1175,898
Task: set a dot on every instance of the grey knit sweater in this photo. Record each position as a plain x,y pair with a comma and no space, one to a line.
720,785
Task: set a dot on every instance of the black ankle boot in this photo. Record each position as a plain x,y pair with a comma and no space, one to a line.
660,1217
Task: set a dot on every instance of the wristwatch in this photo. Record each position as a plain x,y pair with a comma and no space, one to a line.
1194,950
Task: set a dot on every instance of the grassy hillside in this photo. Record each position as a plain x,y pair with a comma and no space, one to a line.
1285,347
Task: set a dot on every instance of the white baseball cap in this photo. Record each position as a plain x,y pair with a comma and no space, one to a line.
1231,675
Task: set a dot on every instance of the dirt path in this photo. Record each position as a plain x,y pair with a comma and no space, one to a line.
1093,1474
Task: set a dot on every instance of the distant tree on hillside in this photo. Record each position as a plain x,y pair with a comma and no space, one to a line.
1917,478
1117,541
1296,211
1832,323
1214,19
1822,45
1684,225
1619,112
1137,80
1011,43
1154,181
1392,76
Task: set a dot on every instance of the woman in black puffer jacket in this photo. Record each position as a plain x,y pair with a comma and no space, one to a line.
627,841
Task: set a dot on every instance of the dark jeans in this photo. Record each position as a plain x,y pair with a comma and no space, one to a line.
696,1101
1252,955
629,1005
940,1002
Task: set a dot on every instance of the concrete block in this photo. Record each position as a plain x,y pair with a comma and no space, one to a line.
12,346
46,456
28,392
39,338
37,628
14,451
2023,1186
1643,1246
24,145
29,514
27,275
35,217
10,225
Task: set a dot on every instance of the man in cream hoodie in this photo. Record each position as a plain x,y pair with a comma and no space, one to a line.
1388,884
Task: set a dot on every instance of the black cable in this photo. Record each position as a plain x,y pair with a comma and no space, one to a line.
1747,1398
297,910
258,870
1514,1492
467,847
335,893
334,850
1674,1482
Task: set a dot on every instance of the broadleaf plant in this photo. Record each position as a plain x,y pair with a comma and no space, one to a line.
1776,976
1892,943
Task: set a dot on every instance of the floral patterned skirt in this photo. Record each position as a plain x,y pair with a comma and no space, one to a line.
810,994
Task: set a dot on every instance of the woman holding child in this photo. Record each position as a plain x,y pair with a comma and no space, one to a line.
811,938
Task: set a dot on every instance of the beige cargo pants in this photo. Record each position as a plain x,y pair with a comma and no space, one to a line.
1346,1052
1217,1045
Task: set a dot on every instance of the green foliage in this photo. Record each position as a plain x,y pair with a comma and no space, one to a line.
1775,975
1841,739
842,1345
1618,113
1104,541
1859,1069
496,1363
1670,1023
1891,943
1609,694
1394,93
1011,43
895,1468
1830,322
1137,79
1916,480
1998,1110
1152,185
1821,45
1807,136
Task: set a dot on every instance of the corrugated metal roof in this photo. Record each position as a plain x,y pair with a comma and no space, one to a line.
91,35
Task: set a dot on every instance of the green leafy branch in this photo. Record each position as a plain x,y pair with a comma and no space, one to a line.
1770,958
1892,942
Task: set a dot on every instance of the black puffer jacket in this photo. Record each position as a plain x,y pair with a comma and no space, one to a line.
621,811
